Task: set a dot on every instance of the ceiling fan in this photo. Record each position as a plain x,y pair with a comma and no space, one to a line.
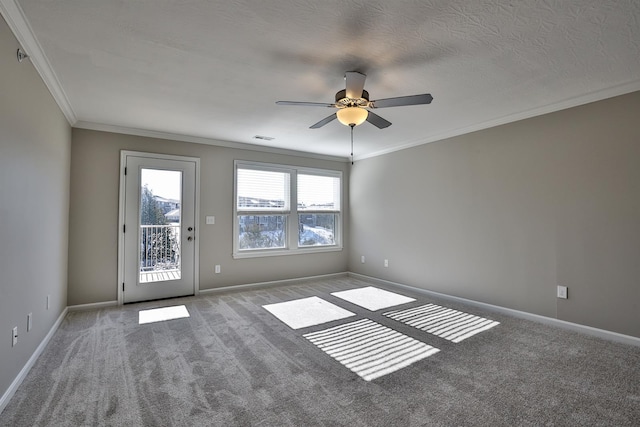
354,106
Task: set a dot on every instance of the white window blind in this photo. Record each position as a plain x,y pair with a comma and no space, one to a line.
262,190
318,193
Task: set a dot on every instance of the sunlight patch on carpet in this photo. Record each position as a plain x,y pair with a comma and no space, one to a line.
162,314
372,298
369,349
443,322
305,312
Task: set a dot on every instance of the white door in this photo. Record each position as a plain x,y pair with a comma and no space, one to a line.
158,247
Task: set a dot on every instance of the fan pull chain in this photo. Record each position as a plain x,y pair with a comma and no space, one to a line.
352,126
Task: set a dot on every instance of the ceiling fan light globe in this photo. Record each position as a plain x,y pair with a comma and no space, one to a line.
352,116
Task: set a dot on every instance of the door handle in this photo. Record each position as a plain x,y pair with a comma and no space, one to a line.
190,238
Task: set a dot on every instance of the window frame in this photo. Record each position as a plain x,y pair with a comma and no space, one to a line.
292,215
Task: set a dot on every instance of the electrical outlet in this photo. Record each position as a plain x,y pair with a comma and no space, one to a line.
217,269
48,298
386,263
29,324
362,259
563,292
14,335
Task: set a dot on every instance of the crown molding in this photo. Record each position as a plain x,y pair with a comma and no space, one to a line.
201,140
19,25
599,95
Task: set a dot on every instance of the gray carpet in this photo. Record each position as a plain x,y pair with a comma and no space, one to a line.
232,363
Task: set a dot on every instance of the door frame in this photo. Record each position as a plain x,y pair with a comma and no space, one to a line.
121,216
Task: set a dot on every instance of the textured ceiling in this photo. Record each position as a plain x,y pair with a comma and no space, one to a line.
214,69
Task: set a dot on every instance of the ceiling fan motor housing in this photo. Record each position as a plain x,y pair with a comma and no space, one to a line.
343,101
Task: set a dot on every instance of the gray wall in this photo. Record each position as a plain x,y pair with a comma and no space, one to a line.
35,141
504,215
93,234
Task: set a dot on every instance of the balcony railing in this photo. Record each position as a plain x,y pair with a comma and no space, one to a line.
159,252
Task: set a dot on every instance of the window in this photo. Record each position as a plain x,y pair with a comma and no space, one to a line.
318,209
285,209
262,203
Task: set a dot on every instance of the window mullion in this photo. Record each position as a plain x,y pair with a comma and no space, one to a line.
292,218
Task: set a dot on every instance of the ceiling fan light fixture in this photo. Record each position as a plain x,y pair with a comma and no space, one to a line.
352,115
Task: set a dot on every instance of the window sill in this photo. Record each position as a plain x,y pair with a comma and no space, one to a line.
285,252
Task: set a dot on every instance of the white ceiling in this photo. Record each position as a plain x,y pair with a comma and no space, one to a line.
211,71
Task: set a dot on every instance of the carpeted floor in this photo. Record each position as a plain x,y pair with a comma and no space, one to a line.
233,363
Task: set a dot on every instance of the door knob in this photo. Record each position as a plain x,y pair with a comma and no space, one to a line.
190,229
190,238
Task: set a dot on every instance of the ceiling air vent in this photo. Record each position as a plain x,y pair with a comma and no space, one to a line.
264,138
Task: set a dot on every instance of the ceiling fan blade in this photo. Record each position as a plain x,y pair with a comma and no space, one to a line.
324,121
306,104
378,121
355,84
402,100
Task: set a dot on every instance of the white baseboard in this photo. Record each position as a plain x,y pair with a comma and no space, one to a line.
92,306
251,286
588,330
6,397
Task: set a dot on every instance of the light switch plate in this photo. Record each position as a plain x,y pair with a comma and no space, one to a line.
211,220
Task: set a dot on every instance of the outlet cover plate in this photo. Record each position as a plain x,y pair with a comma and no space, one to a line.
563,292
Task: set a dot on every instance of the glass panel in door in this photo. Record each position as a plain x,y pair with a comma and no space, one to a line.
160,212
